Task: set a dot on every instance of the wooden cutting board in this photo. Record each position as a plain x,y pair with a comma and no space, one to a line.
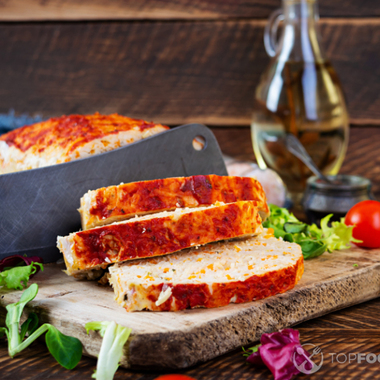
182,339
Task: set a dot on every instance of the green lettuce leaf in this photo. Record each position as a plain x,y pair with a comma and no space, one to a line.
279,216
338,236
111,350
295,227
3,331
312,248
18,277
66,350
314,241
29,326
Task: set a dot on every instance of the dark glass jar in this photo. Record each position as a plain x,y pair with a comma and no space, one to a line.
322,198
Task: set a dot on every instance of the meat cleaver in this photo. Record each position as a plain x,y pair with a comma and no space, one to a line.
39,204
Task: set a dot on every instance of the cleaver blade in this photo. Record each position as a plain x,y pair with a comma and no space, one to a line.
38,205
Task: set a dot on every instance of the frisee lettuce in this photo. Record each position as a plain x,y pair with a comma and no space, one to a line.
18,277
314,241
65,349
18,260
114,338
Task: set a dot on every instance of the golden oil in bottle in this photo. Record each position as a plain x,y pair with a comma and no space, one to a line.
298,93
311,107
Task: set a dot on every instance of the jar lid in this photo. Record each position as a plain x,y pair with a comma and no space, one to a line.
341,182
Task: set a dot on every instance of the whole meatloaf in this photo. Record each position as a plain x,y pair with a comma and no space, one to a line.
114,203
211,276
68,138
156,235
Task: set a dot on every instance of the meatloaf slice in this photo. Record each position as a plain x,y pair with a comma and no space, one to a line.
114,203
213,275
156,235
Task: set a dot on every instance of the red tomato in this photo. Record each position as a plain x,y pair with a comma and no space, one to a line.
365,216
174,377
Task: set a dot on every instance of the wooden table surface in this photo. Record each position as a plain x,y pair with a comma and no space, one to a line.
346,332
353,330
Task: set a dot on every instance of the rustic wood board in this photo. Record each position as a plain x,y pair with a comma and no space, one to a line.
182,339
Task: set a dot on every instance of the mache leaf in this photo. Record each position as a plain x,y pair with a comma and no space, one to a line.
3,331
66,350
12,319
15,309
288,237
294,228
312,248
29,326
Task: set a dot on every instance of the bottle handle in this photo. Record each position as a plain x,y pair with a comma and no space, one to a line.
270,32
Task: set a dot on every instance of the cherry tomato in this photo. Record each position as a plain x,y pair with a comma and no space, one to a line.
365,216
174,377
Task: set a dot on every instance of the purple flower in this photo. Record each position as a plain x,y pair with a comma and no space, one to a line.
280,351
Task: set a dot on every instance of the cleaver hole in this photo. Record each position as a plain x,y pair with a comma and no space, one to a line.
199,143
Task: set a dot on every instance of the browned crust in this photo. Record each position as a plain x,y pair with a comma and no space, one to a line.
187,296
68,138
71,132
157,236
115,203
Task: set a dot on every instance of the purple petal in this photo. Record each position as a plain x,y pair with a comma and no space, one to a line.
300,357
255,359
281,337
278,351
293,335
15,260
279,360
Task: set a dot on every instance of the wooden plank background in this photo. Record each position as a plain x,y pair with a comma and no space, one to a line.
17,10
178,61
171,61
